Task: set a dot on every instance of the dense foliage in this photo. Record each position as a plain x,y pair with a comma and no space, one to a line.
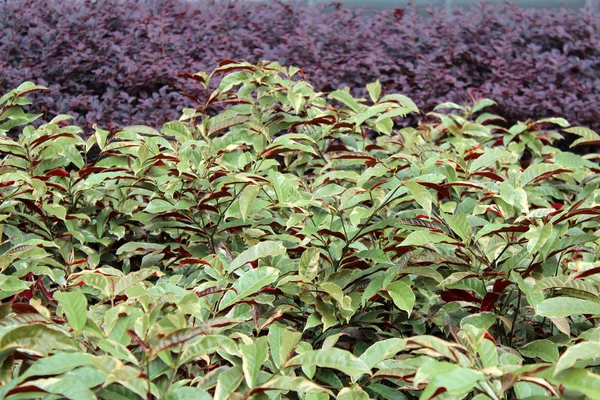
281,250
118,62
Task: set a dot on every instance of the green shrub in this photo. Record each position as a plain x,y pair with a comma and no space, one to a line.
297,246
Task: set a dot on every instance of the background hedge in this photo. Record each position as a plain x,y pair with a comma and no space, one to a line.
117,63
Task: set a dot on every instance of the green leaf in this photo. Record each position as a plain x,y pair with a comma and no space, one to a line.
558,307
158,206
248,284
261,250
345,98
208,345
459,225
421,238
309,263
296,99
385,125
535,170
514,196
581,381
570,160
488,158
188,393
132,278
537,237
544,349
575,353
247,199
55,210
374,90
286,187
421,195
177,337
58,364
406,102
74,304
253,357
382,350
141,247
177,129
282,343
101,136
117,350
386,392
227,382
563,123
587,135
458,382
372,288
481,104
352,393
66,386
402,295
36,337
333,358
449,105
296,384
488,353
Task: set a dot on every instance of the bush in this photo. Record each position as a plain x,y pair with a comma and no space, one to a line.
119,62
277,248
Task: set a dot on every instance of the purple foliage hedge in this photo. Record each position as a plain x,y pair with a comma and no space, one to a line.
119,62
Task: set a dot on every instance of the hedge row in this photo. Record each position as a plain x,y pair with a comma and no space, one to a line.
116,62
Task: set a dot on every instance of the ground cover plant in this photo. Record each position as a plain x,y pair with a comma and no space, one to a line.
297,245
119,63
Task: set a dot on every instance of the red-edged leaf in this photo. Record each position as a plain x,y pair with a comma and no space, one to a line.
56,185
43,139
514,228
329,232
216,195
25,389
56,172
501,284
336,147
197,78
472,156
31,205
465,184
325,119
356,264
137,339
343,125
443,191
23,308
489,301
458,295
351,155
191,260
87,170
165,157
589,272
491,175
174,214
226,69
373,147
582,211
273,151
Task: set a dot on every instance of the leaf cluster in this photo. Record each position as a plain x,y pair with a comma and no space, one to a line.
119,63
297,245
